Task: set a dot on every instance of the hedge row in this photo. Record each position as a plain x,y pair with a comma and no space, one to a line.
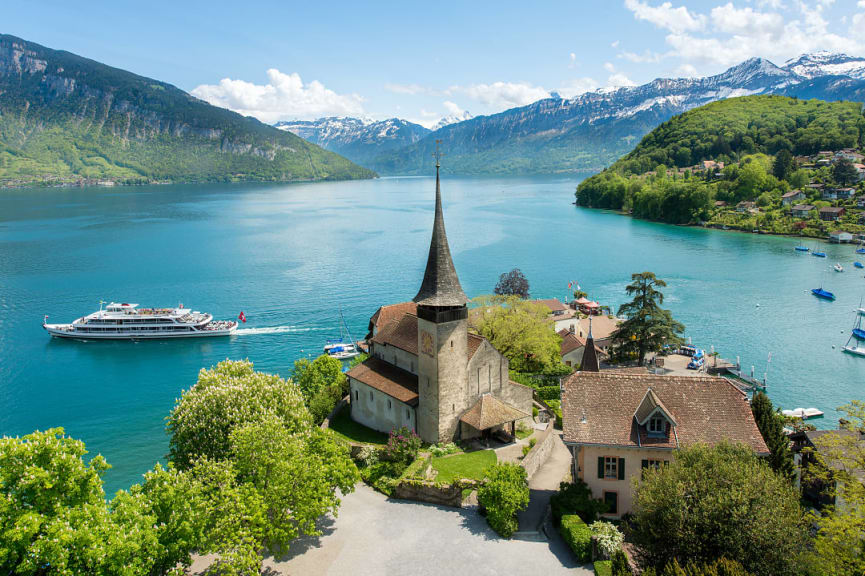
548,392
578,536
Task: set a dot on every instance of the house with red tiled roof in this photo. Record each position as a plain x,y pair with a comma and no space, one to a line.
617,423
573,347
426,371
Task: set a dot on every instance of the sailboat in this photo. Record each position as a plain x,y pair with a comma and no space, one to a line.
854,343
821,293
344,347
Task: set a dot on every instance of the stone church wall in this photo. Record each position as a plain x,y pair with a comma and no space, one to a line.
396,356
370,407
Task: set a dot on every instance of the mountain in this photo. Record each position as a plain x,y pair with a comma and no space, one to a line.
590,131
64,118
356,139
453,119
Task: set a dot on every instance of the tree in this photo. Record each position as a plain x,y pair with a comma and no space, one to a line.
771,425
505,492
297,476
225,397
799,178
513,283
844,173
840,542
647,326
519,329
311,377
580,294
783,164
714,502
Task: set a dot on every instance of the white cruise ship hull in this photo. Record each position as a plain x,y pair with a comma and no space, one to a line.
68,331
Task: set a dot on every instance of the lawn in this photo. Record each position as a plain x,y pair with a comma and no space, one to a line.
524,432
465,465
350,430
603,568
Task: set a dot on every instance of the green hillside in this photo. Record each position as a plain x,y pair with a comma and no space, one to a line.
64,118
662,178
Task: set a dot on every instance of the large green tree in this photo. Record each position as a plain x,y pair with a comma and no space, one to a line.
771,425
840,543
519,329
313,376
647,326
716,502
844,173
783,164
226,396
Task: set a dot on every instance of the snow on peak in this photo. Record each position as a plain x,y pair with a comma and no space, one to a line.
453,119
826,63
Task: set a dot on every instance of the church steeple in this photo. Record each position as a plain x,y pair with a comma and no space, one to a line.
440,286
590,355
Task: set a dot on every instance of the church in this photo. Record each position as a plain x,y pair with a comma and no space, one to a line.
426,371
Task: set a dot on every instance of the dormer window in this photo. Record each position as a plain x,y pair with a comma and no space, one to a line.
657,425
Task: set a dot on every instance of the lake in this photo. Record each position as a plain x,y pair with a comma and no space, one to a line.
290,256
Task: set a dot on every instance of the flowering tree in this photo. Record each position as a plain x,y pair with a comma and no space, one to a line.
402,445
225,397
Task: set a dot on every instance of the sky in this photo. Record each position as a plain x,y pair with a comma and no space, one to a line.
421,61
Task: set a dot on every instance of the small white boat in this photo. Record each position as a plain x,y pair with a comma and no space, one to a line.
344,347
838,267
803,413
855,349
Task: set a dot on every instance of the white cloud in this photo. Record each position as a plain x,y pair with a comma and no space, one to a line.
577,86
615,44
502,95
453,109
284,97
729,33
665,16
619,80
687,71
646,57
407,89
608,66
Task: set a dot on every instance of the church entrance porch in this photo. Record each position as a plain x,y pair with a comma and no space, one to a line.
490,419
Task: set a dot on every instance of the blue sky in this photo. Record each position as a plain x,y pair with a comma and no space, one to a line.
421,61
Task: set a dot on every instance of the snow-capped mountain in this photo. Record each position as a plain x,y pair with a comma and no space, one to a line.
358,138
591,130
827,64
453,119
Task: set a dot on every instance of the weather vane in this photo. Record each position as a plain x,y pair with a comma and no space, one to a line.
438,154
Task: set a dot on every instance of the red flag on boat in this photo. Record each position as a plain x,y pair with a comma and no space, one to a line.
242,317
570,285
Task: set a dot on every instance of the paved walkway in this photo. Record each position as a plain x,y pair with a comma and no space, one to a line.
374,535
545,483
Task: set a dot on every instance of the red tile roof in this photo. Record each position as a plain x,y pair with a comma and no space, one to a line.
395,382
489,411
401,334
571,342
553,304
599,407
390,313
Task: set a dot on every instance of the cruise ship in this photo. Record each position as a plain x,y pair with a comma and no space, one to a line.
123,321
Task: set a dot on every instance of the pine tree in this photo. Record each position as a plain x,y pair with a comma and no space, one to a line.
771,425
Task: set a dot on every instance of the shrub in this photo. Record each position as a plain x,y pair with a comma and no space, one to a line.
619,564
548,392
505,492
526,450
383,474
577,536
608,537
532,442
720,567
367,456
534,411
402,445
576,498
444,449
603,568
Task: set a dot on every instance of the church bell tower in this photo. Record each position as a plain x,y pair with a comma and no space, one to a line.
442,337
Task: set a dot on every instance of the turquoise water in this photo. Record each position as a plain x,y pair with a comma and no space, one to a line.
290,255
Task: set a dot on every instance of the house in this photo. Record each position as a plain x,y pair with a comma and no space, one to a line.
425,371
587,306
746,207
860,201
615,424
720,204
555,306
830,194
602,326
845,193
805,444
860,170
840,237
849,154
574,347
801,211
831,213
792,197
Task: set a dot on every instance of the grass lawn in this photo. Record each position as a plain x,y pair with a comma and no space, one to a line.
524,432
603,567
466,465
347,428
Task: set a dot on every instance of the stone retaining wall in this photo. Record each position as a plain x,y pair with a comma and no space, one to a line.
336,410
538,455
441,494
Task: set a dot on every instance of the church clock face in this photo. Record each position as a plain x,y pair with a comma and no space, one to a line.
426,343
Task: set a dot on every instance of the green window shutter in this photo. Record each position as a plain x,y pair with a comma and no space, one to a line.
600,466
645,464
621,468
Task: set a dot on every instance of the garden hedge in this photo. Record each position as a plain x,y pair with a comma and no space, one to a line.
578,536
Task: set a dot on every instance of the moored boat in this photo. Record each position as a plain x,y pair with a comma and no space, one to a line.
124,321
801,248
803,413
344,347
818,254
857,337
821,293
858,265
837,267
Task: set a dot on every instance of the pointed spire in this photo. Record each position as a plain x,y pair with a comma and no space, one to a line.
440,286
590,355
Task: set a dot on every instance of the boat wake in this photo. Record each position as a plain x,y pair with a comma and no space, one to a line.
275,330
